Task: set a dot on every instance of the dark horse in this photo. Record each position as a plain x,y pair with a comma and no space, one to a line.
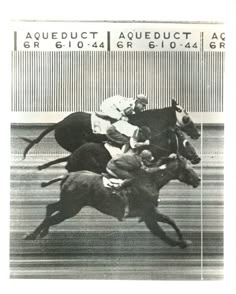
94,156
75,130
85,188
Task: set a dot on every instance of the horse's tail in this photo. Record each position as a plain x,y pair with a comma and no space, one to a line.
59,160
37,140
57,179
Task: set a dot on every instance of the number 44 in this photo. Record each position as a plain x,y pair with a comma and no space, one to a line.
96,45
188,45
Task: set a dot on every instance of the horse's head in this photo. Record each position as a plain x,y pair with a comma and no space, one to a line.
178,168
184,121
185,148
173,140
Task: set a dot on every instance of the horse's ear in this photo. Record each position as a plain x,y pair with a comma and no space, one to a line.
174,103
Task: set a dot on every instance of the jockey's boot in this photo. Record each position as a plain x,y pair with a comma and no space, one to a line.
125,148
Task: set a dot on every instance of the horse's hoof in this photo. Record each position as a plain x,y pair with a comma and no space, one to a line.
185,243
43,184
29,237
39,167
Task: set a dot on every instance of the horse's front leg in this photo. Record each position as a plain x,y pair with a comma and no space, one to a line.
151,220
166,219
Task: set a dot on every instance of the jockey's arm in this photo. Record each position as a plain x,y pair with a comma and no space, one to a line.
134,140
117,107
150,170
112,112
158,166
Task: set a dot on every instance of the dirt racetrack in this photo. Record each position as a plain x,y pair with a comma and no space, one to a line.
96,246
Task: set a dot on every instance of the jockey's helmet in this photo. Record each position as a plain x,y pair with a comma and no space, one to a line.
146,155
141,98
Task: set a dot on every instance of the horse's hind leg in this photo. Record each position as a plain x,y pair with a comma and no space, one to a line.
51,208
55,219
44,226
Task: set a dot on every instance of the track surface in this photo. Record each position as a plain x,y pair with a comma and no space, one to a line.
95,246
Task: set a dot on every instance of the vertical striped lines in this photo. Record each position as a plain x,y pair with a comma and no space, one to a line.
80,81
213,81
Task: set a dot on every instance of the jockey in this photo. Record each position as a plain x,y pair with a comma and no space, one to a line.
126,166
118,107
136,137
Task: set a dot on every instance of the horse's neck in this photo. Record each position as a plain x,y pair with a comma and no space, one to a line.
164,179
154,180
155,118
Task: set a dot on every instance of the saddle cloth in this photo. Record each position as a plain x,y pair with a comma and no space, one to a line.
113,150
99,125
116,151
125,128
112,182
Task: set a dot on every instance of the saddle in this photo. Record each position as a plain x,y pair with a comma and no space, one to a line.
100,123
111,182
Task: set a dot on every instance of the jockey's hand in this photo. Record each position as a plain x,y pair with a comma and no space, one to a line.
147,142
172,155
128,111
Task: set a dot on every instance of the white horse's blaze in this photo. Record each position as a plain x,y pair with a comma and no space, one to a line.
181,116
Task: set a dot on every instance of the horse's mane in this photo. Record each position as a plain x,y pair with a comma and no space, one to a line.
154,111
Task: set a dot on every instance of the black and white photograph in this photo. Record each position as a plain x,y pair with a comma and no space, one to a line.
117,150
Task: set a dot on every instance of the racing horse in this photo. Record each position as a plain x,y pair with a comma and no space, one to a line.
85,188
76,130
94,156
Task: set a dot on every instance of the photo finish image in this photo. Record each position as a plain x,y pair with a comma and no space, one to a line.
117,150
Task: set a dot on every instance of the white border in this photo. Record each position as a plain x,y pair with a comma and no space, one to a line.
200,10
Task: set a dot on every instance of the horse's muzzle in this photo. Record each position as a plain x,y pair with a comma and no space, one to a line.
195,136
196,160
197,183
